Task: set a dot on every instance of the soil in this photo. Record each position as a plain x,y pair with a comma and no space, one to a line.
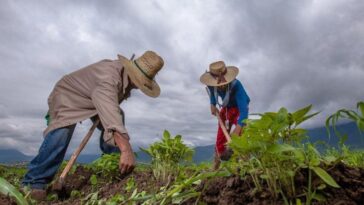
222,190
5,200
234,190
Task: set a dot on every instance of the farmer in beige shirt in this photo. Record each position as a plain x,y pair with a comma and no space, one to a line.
93,91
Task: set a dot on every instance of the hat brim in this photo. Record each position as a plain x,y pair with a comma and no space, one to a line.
230,75
147,86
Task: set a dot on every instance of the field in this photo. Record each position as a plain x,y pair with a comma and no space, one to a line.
273,163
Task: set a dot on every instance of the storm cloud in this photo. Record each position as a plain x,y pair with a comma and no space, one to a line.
290,53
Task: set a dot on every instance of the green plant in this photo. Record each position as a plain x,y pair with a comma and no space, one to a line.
268,143
93,181
107,165
181,190
356,116
353,158
311,160
115,200
271,150
13,174
7,189
130,184
166,156
92,199
75,194
52,197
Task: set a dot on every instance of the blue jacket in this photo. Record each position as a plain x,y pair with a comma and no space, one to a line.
238,98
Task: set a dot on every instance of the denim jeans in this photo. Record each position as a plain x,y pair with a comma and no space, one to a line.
42,169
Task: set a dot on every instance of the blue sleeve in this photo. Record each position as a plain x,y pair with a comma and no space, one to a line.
212,95
242,100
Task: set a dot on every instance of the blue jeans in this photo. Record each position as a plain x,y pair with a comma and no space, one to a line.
44,166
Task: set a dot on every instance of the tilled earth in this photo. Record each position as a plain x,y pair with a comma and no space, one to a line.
222,190
234,190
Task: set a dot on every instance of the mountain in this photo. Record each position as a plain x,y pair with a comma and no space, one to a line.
205,153
355,138
13,156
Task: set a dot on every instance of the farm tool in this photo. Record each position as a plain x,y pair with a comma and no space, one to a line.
59,184
227,154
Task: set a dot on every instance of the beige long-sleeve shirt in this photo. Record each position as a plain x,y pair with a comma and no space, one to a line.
97,89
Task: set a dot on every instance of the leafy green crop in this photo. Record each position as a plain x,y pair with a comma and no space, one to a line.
271,150
166,156
7,189
107,165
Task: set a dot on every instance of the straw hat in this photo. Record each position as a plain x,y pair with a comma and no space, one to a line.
143,70
219,74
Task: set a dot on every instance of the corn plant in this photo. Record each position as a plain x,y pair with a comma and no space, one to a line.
356,116
167,155
7,189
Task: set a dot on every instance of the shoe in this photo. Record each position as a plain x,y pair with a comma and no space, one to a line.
38,194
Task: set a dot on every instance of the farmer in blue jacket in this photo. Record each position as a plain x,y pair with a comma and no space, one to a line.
229,94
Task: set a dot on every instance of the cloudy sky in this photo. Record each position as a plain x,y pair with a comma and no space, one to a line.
290,53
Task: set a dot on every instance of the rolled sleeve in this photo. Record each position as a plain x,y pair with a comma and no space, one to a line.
105,100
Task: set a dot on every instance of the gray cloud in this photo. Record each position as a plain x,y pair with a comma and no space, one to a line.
290,53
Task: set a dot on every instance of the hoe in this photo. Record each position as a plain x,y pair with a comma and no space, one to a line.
58,185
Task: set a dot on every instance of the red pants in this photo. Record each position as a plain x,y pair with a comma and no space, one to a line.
232,115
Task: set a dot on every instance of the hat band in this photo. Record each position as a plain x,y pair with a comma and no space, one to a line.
141,70
220,77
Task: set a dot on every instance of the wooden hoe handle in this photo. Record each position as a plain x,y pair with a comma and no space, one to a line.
78,150
224,130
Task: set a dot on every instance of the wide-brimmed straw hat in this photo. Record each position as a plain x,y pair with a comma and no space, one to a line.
142,71
219,74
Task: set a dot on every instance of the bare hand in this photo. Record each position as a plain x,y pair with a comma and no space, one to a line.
214,110
237,130
127,162
127,159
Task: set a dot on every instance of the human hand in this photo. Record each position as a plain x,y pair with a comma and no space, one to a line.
127,159
127,162
237,130
214,110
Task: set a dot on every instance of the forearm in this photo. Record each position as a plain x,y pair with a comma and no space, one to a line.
127,159
122,141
